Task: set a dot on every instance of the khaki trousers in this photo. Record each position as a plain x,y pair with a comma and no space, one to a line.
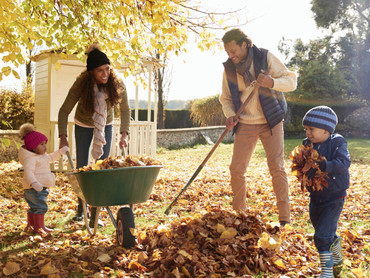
245,141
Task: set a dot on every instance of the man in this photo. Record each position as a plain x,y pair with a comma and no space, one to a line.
250,70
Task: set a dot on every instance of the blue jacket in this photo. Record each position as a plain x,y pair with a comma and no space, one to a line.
338,161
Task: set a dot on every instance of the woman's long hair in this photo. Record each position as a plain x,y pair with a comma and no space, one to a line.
87,89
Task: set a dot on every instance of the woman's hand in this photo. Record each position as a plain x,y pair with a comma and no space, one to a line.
63,141
123,141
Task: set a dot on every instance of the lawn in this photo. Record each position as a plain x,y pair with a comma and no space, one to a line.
187,242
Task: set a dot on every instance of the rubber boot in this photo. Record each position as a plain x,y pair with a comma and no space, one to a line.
336,248
326,262
79,216
38,228
29,227
41,223
92,219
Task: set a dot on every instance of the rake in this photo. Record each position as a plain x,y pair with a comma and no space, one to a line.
200,167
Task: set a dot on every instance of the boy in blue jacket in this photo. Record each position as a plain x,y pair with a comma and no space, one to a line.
326,206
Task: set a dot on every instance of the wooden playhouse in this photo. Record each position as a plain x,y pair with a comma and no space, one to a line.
51,88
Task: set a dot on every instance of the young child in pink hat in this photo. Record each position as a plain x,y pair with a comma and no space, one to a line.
37,175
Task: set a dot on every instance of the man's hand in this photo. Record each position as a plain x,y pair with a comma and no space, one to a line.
230,122
123,141
265,80
37,186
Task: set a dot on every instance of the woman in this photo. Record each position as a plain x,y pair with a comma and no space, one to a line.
97,90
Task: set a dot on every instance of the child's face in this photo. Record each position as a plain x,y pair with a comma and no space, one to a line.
40,149
316,135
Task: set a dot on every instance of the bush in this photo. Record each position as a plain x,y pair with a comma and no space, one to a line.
16,108
207,111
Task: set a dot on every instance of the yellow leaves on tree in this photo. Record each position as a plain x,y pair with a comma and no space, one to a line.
303,159
127,30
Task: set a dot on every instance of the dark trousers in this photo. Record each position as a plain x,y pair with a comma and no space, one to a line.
324,218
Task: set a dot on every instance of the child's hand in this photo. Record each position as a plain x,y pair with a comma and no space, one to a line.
311,173
64,150
37,186
322,165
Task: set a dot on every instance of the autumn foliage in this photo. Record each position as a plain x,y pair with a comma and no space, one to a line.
202,237
120,162
303,159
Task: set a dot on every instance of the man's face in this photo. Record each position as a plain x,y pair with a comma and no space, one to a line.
236,52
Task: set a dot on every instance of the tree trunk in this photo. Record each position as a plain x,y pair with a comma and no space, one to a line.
161,114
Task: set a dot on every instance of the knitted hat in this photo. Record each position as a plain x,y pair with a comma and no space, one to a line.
31,137
321,117
96,58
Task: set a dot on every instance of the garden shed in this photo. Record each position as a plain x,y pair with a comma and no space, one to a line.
51,87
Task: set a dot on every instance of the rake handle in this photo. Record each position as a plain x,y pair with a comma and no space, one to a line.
200,167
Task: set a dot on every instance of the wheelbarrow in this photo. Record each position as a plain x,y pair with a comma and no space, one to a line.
114,187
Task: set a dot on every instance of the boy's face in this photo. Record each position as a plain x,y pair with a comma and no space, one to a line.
40,149
316,135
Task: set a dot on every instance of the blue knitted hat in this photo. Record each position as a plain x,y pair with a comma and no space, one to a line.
321,117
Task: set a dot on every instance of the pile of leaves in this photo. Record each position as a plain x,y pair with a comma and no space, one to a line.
218,243
119,162
303,159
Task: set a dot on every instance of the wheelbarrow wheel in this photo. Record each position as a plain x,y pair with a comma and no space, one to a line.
125,222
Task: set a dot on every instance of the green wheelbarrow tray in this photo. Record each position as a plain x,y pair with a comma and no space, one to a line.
114,187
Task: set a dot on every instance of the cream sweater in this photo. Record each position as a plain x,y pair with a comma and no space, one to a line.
284,81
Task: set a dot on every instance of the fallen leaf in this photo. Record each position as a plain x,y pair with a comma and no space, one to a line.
11,268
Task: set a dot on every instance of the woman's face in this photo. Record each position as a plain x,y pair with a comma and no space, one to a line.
101,74
40,149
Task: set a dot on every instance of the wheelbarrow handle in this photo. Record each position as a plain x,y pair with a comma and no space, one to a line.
200,167
70,160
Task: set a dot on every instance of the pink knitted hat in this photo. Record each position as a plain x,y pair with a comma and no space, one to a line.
33,139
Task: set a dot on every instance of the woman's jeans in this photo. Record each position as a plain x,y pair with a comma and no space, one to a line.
37,200
324,218
83,137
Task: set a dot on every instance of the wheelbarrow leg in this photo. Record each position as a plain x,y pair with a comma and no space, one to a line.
112,217
92,233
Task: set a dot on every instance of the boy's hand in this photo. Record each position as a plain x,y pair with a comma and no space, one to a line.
37,186
64,150
311,173
322,165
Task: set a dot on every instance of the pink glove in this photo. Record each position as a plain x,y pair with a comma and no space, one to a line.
64,150
37,186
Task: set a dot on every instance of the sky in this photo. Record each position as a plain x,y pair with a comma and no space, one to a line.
198,74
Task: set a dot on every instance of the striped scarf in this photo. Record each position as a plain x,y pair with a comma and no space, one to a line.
100,120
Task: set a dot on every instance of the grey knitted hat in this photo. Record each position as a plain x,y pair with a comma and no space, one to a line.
321,117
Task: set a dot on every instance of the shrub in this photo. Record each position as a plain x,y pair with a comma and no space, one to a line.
207,111
16,108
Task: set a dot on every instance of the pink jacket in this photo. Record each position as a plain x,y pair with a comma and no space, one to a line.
37,167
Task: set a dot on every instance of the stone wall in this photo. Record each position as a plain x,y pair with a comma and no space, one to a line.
172,138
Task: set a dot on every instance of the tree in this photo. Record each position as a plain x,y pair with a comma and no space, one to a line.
127,30
164,83
318,74
350,25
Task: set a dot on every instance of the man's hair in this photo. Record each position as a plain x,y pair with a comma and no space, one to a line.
238,36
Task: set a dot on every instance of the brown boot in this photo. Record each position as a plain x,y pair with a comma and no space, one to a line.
40,227
29,228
